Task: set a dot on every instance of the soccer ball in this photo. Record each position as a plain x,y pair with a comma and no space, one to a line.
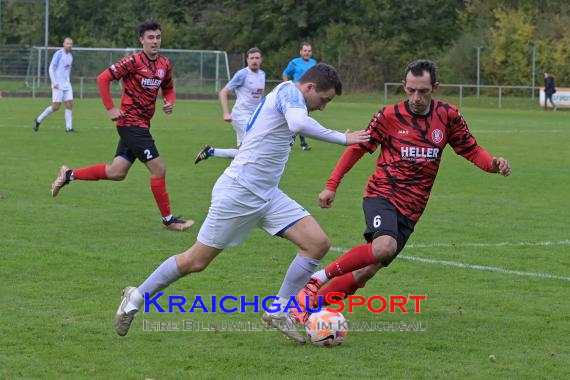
326,329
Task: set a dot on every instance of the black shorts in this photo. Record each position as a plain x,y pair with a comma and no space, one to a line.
382,218
136,142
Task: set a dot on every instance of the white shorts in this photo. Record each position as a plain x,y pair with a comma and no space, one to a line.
58,95
235,211
239,126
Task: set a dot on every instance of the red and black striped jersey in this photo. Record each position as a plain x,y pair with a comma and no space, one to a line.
411,149
142,78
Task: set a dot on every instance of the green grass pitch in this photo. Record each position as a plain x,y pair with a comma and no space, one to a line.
64,261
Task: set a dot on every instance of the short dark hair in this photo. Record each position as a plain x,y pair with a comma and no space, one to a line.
324,76
252,51
305,43
419,66
149,24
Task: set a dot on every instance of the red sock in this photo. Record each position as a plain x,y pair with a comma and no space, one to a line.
91,173
357,257
342,284
158,187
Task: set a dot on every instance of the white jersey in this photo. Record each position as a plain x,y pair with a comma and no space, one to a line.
262,156
248,86
60,69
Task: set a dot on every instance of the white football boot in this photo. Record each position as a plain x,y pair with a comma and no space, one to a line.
123,319
285,323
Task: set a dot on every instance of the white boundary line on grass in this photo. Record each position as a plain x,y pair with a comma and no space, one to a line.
502,244
458,264
484,268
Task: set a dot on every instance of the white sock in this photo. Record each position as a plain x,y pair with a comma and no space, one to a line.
225,153
164,275
297,275
68,119
135,301
44,114
321,275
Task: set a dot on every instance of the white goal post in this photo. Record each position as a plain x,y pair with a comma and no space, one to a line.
194,71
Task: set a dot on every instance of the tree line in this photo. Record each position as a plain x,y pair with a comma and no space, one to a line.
369,41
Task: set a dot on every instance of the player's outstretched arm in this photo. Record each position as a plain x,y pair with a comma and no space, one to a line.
501,166
464,143
300,122
482,159
357,137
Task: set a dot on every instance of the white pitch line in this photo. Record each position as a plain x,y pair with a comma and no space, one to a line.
479,267
502,244
485,268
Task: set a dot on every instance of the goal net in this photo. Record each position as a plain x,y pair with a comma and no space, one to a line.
194,71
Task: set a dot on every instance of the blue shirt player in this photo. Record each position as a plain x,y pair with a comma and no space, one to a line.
295,70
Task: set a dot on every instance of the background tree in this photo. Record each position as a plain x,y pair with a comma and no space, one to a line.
370,41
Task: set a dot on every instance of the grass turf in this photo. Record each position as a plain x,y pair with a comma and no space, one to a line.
65,260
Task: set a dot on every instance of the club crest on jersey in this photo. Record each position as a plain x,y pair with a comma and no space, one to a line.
160,73
437,136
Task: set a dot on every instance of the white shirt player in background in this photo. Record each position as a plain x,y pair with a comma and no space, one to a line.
59,72
247,196
248,84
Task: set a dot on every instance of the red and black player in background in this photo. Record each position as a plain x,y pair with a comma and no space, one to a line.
412,135
143,74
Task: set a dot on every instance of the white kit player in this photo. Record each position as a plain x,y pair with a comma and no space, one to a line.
248,84
59,73
247,196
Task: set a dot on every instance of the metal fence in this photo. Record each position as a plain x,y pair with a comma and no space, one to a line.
24,71
465,91
14,59
86,87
